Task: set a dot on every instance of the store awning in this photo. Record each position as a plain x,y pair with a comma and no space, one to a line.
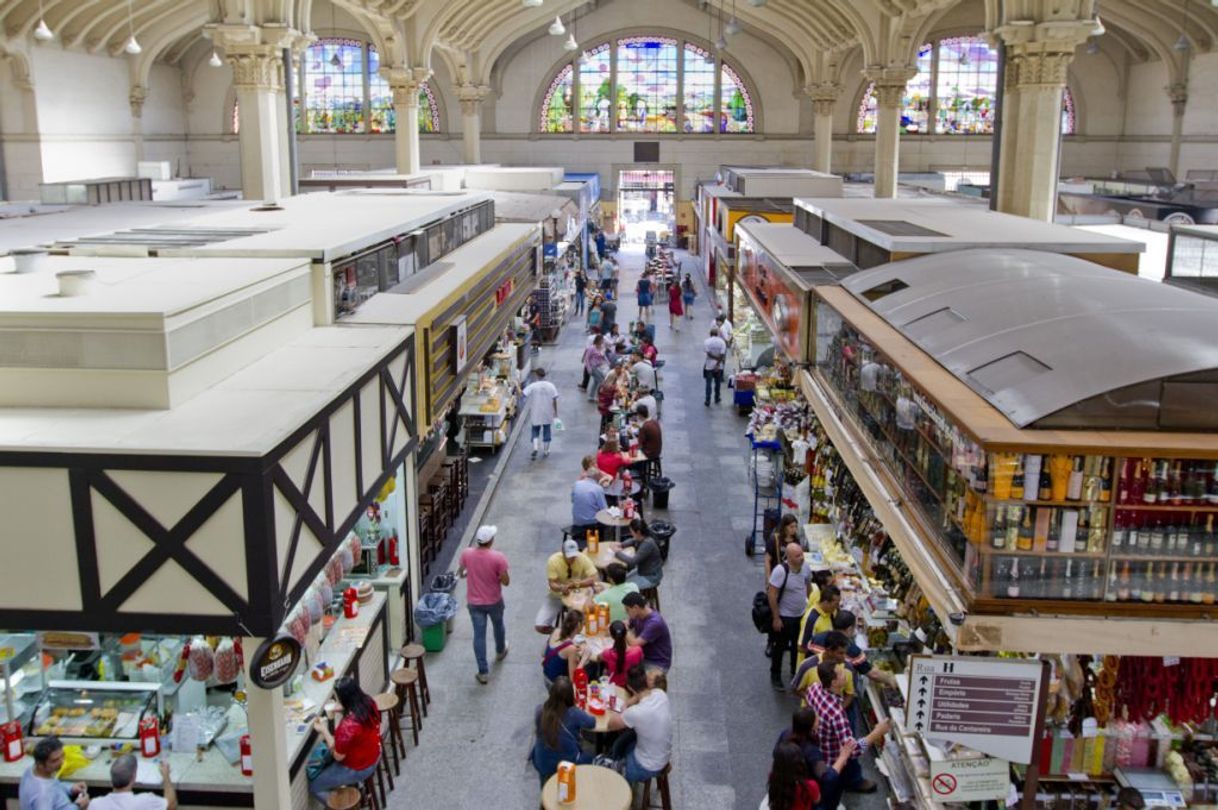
1054,341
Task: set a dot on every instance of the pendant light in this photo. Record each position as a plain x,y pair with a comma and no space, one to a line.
1182,43
215,59
756,3
570,44
335,60
133,45
557,29
1092,47
531,3
733,25
43,32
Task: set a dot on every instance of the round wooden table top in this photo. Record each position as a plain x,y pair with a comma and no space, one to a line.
606,554
579,599
604,518
596,788
602,721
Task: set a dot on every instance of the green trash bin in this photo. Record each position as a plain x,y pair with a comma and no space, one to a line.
435,637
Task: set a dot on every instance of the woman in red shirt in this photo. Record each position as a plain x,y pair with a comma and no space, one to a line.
790,786
610,460
355,743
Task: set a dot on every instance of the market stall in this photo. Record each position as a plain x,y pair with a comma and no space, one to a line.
179,552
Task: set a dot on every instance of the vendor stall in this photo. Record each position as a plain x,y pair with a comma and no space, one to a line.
178,586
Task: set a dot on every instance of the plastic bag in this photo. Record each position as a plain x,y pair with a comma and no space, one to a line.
227,665
334,571
313,603
73,760
324,588
297,626
357,548
345,558
202,661
435,608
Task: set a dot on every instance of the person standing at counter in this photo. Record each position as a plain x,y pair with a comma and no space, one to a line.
788,589
40,790
124,797
355,744
487,572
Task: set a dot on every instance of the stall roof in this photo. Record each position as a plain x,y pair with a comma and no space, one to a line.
513,178
414,298
808,261
292,384
73,221
1042,335
322,226
933,225
765,203
517,206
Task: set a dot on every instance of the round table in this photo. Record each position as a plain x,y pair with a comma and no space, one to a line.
604,518
606,555
579,599
596,788
602,721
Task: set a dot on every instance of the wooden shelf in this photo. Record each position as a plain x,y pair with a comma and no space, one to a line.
1062,504
1078,555
1162,558
1124,507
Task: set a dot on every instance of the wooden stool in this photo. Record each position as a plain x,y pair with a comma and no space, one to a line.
382,770
369,799
415,653
661,780
344,798
406,685
652,595
388,703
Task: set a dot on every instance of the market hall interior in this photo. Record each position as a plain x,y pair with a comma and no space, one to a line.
690,404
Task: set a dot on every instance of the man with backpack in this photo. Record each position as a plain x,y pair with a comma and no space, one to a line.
788,590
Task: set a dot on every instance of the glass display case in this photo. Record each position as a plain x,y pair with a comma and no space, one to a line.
1073,526
87,710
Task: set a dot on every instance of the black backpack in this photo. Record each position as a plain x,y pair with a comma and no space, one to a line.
763,616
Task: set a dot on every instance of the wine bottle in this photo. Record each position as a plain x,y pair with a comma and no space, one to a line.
1174,538
1194,489
1150,494
1067,584
1211,487
1161,584
1211,583
1148,583
1125,482
1017,480
1175,485
1045,493
1133,545
1120,533
1106,480
1013,579
998,532
1012,539
1163,474
1173,589
1097,581
1052,535
1074,488
1210,545
1194,582
1135,582
1114,585
1124,584
1025,531
1146,537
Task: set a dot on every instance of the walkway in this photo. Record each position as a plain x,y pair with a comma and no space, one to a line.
476,739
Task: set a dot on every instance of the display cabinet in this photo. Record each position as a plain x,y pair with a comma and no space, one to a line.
92,711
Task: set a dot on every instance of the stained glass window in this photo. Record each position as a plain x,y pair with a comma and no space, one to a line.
595,90
382,117
646,84
967,83
915,111
334,86
556,106
736,108
429,109
699,69
1069,122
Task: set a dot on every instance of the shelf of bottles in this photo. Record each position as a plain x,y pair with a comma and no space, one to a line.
1072,527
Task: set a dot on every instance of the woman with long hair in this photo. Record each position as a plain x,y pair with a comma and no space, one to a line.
803,734
558,724
563,656
355,743
596,362
619,658
787,531
688,293
675,308
789,787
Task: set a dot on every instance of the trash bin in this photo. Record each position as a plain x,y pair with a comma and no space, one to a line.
660,487
432,613
662,531
444,583
434,637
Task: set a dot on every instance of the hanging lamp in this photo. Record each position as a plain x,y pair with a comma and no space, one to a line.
133,45
215,59
557,29
43,32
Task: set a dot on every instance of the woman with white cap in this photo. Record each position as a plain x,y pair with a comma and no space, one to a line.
486,571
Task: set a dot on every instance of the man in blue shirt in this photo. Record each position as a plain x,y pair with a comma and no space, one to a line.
40,790
587,498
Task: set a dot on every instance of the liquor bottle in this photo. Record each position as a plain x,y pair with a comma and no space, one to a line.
1163,475
1211,582
1124,583
1097,581
1067,583
1125,482
1175,485
1114,586
1106,480
1052,536
1146,537
1074,488
1133,544
1194,486
998,533
1135,582
1081,532
1120,533
1013,579
1045,493
1146,476
1041,585
1173,535
1012,539
1173,589
1017,481
1162,586
1148,583
1025,532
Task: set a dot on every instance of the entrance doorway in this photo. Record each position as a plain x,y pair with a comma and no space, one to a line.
645,203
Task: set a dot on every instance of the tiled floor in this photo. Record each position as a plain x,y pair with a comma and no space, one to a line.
475,742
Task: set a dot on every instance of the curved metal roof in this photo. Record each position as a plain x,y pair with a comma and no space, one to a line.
1037,333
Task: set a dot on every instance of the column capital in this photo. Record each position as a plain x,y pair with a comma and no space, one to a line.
824,96
471,97
1038,54
136,98
889,83
256,51
405,83
1178,93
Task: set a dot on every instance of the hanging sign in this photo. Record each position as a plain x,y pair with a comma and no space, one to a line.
274,661
970,780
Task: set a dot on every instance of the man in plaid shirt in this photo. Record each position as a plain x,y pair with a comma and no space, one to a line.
833,730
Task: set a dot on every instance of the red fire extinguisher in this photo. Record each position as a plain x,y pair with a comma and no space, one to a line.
393,550
247,756
150,737
13,747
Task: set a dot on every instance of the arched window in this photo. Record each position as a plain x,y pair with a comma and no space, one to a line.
647,84
956,86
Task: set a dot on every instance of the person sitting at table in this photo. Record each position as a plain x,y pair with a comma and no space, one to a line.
124,797
615,575
355,744
562,655
606,395
648,630
803,733
646,561
566,570
643,371
645,747
790,786
557,724
610,460
587,498
621,657
617,342
651,438
646,400
649,350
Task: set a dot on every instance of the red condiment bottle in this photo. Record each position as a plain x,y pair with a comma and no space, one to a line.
350,603
14,748
393,550
581,687
150,737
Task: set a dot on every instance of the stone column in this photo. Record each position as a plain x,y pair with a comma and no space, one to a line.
824,97
1178,93
471,97
136,98
1037,57
405,84
889,89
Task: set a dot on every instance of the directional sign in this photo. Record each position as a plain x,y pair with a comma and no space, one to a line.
970,780
989,704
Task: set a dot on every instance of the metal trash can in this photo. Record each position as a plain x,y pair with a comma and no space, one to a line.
662,531
660,487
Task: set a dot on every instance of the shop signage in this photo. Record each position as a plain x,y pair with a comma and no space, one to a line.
503,292
970,780
991,705
777,304
460,343
274,661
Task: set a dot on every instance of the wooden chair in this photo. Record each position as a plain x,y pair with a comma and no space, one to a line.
661,780
406,686
415,653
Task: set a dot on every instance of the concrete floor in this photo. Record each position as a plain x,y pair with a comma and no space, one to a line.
476,739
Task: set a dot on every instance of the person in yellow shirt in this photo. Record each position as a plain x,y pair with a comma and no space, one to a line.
818,618
566,570
834,650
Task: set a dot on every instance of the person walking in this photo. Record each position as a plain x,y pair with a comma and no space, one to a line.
581,291
541,398
675,309
787,592
608,313
688,294
597,364
486,573
712,368
644,292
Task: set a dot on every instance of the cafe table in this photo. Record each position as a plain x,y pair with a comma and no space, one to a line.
606,518
579,599
606,554
596,788
602,721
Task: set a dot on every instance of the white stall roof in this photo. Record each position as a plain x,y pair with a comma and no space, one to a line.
934,225
515,206
322,226
74,221
514,178
791,246
284,389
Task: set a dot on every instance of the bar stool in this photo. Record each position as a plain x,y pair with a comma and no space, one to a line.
370,800
344,798
382,773
415,653
652,595
661,780
406,685
388,703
